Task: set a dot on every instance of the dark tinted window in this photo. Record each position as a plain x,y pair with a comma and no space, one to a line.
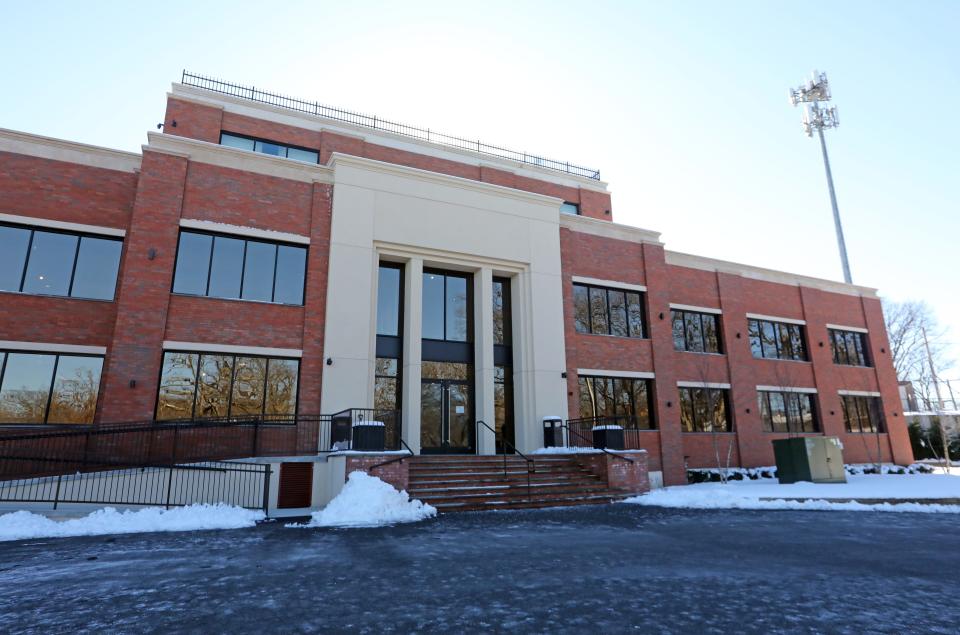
98,262
695,332
14,243
193,264
849,347
605,311
570,208
30,381
291,275
433,306
446,307
501,312
862,414
776,340
258,267
388,301
269,147
704,410
226,268
51,263
787,411
213,385
238,268
617,400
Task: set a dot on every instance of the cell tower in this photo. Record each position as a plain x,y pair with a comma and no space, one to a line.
817,117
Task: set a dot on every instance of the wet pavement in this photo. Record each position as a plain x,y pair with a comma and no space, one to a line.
610,569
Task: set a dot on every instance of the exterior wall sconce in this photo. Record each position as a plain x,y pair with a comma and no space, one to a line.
151,253
821,344
133,383
831,413
669,404
748,410
738,336
329,361
661,315
883,350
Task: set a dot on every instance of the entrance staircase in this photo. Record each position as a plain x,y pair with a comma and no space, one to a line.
474,483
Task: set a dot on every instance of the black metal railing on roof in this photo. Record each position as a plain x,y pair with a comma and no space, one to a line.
377,123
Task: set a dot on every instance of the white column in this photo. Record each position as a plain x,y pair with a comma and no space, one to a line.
483,360
412,329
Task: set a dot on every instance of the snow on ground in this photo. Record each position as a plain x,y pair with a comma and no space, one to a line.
21,525
750,494
366,501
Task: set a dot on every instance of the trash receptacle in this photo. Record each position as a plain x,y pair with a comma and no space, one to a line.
369,436
340,432
553,432
812,459
609,436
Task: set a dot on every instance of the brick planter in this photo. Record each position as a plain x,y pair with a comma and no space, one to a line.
620,475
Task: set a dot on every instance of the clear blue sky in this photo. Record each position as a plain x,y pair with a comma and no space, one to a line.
681,105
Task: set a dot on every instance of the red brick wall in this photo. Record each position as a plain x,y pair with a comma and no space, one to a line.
611,259
396,473
628,474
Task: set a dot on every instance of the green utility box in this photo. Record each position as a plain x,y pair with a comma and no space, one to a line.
812,459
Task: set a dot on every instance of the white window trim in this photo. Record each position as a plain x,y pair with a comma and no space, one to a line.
241,230
702,384
200,347
854,329
49,347
811,391
610,284
859,393
772,318
623,374
696,309
56,224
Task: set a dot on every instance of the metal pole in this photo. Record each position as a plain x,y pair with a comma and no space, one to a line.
936,387
836,212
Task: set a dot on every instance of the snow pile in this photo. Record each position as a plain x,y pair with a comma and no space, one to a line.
815,496
366,501
22,524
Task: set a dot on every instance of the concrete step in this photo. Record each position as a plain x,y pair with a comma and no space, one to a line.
511,494
535,503
474,481
506,489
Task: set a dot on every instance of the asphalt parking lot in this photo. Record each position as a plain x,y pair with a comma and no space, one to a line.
617,568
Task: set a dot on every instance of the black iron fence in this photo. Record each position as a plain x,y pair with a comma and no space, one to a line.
233,483
377,123
36,452
580,431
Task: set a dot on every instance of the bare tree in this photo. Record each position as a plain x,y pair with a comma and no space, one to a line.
710,407
906,322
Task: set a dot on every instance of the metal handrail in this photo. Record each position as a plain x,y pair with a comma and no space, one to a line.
604,450
531,464
397,459
378,123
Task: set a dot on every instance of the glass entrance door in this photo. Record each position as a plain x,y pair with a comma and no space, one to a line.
446,409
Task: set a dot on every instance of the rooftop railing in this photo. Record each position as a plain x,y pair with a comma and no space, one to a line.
376,123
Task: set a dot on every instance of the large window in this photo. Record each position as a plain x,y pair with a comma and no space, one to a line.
776,340
573,209
388,299
849,347
386,387
704,410
219,385
228,267
624,399
862,414
696,332
605,311
59,263
446,307
48,388
503,407
787,411
269,147
501,312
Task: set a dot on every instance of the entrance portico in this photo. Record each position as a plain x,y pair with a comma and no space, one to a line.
467,232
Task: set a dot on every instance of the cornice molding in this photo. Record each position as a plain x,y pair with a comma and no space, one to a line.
609,229
768,275
67,151
237,159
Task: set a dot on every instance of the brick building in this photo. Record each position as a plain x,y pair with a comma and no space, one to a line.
262,256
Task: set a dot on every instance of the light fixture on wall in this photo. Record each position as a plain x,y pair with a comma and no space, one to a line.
329,361
151,253
133,383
